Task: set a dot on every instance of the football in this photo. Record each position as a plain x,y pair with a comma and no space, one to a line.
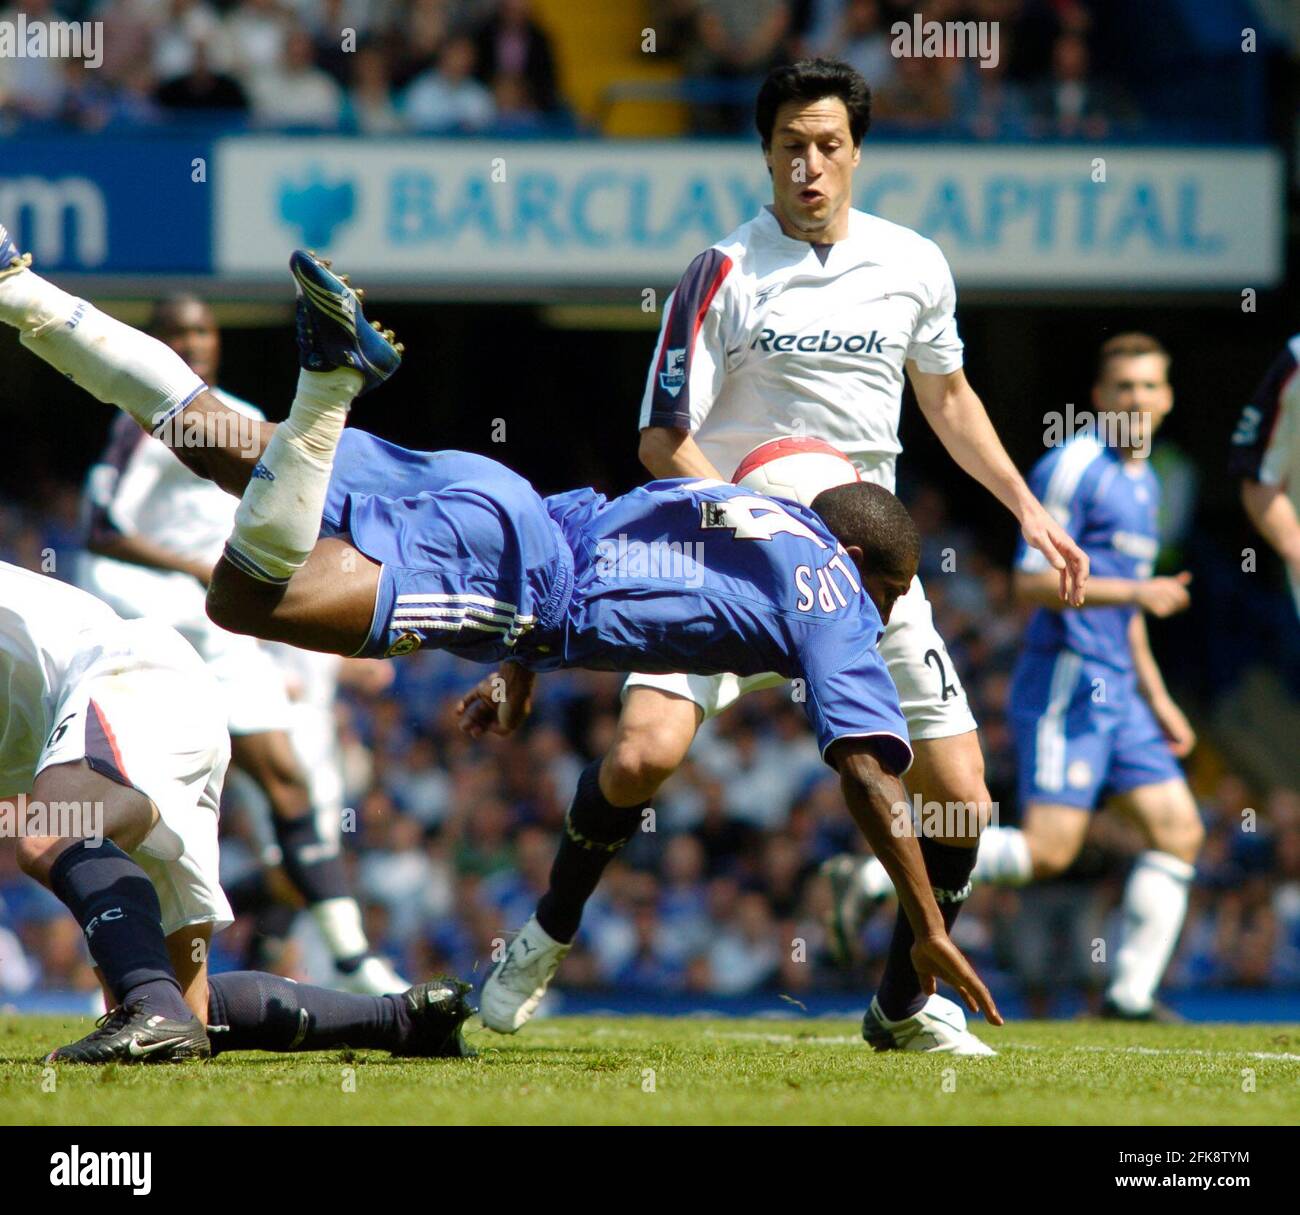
794,467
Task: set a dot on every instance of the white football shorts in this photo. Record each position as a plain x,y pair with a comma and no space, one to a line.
146,713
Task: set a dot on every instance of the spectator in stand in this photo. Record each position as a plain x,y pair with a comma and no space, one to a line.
1071,104
338,29
920,95
128,39
423,34
368,107
734,41
202,89
990,104
179,27
861,39
31,86
511,45
447,97
296,93
256,32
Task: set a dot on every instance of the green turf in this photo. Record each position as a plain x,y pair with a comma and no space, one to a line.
598,1070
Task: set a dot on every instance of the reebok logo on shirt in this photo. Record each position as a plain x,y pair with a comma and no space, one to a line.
769,341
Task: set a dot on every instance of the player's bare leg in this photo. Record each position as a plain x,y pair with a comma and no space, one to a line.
117,907
280,472
1155,896
655,731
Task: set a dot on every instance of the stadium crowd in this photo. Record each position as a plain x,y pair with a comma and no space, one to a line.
450,841
379,67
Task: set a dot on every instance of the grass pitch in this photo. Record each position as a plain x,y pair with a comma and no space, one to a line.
685,1071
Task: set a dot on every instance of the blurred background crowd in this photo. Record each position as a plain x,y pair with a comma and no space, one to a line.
1064,69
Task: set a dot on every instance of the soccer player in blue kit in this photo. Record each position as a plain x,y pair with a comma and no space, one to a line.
1094,724
350,545
1093,721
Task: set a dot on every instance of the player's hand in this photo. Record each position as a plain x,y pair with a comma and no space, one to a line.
1163,597
938,958
1177,729
498,704
1043,532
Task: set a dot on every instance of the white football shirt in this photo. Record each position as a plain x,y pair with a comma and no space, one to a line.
766,335
50,633
139,488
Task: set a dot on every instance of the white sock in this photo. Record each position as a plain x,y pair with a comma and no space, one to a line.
1003,858
339,921
113,362
1155,903
278,519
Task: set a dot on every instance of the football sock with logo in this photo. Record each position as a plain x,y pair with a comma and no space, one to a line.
1155,904
113,362
279,515
594,831
117,907
249,1010
949,870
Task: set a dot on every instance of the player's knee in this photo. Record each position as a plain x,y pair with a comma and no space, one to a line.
230,609
638,763
36,857
1182,837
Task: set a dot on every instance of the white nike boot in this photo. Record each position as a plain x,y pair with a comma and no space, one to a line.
939,1028
518,982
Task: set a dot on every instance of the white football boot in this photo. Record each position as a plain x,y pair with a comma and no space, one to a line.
939,1028
518,982
374,977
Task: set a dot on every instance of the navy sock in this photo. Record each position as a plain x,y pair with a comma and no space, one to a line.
594,830
117,907
314,867
249,1010
949,870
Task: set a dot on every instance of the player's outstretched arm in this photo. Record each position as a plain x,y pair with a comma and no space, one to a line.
1177,729
958,417
1163,596
498,704
879,806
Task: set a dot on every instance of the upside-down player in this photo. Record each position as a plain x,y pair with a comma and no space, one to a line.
347,544
155,530
810,319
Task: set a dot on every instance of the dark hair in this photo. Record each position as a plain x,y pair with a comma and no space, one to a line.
163,312
811,80
1129,346
869,516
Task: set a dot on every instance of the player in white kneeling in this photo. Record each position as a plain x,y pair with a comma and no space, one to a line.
808,321
155,531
